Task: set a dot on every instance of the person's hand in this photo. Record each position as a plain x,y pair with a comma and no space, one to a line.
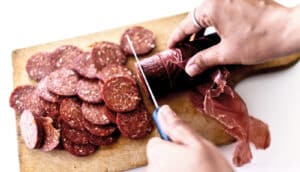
251,31
187,151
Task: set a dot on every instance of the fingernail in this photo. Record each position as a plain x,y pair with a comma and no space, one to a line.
192,69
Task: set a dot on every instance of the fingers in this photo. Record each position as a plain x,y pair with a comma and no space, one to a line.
201,18
185,28
204,59
175,128
156,146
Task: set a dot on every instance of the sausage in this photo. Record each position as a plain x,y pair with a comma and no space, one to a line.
114,70
156,75
20,96
103,140
40,65
63,82
135,124
165,70
78,149
31,129
75,136
143,40
121,94
26,97
96,113
105,53
43,92
100,130
85,65
70,112
64,56
51,135
90,90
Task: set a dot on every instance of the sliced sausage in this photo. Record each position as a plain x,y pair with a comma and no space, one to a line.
105,140
43,92
70,112
31,130
40,65
100,130
114,70
51,135
19,97
90,90
65,56
96,113
136,124
121,94
75,136
78,149
85,65
63,82
105,53
143,40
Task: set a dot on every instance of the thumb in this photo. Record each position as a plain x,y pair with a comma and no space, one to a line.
175,127
202,60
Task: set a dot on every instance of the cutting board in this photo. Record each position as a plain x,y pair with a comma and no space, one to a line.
126,154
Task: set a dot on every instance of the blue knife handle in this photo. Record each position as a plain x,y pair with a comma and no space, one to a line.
162,134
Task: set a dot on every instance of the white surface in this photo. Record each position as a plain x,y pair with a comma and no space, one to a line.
273,98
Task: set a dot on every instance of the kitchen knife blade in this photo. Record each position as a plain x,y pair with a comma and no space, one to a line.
155,112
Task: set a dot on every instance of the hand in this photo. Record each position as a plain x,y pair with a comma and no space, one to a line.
187,152
251,31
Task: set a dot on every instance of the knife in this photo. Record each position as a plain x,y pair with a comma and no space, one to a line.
155,112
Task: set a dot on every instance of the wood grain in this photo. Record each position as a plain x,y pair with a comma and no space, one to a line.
125,154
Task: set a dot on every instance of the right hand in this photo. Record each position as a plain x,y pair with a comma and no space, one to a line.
251,32
188,151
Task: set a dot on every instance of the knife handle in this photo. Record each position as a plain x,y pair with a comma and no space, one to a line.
162,134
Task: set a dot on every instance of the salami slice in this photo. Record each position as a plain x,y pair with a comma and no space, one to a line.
70,112
78,149
89,90
100,130
121,94
31,130
85,65
19,97
96,113
105,140
65,56
136,124
143,40
75,136
26,97
114,70
63,82
51,135
49,109
40,65
105,53
44,93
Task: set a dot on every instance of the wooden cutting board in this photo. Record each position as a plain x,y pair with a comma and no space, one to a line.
125,154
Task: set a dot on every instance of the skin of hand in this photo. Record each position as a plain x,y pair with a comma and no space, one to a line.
251,31
188,151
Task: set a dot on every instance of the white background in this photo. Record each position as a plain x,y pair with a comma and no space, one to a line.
273,98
